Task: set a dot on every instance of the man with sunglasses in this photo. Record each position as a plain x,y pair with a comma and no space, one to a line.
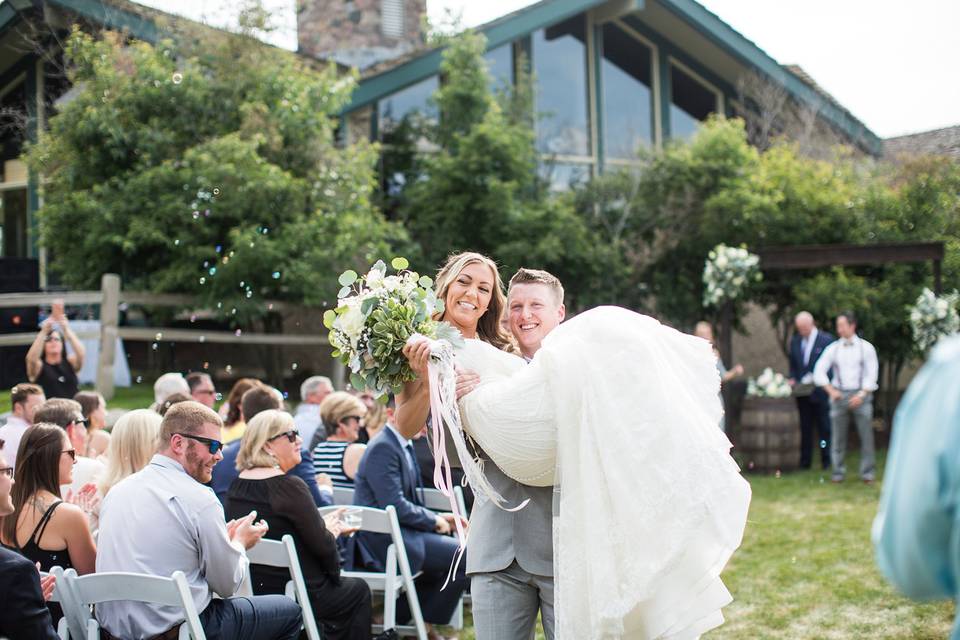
68,415
162,519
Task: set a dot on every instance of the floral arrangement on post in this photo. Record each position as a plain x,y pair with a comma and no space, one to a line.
375,316
769,385
726,273
932,317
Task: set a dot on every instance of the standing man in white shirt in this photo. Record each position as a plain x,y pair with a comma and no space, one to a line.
24,400
853,362
162,519
307,419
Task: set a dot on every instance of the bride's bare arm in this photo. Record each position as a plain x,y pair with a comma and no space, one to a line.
413,403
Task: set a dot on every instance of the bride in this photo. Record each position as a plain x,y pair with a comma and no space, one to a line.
621,413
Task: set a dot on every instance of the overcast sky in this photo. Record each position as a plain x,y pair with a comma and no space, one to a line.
889,62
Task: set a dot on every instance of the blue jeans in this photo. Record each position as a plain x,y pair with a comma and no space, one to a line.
272,617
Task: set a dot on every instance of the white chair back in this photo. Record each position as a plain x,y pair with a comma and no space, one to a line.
434,500
397,577
342,495
63,631
283,553
84,592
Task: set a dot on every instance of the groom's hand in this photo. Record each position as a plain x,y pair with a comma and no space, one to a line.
467,381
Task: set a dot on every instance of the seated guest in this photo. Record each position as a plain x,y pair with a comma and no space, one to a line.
135,439
24,400
201,388
165,509
48,363
312,392
377,416
68,415
388,475
171,400
339,455
44,528
167,385
271,447
23,615
257,399
94,409
233,422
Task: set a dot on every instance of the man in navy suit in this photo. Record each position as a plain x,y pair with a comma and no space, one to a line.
807,344
389,475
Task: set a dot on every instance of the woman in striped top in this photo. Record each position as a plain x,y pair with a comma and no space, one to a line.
339,455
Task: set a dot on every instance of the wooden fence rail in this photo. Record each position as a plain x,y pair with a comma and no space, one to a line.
110,297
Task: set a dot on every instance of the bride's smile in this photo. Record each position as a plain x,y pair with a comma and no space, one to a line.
468,298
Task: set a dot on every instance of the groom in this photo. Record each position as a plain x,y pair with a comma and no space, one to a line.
511,553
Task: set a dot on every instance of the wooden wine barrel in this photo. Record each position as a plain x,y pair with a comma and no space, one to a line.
769,435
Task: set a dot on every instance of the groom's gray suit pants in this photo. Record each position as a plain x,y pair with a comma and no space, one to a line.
505,604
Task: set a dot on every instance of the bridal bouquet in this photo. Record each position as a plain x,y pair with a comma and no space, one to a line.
726,273
933,317
769,385
375,316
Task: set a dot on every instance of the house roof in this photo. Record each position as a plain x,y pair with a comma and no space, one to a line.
380,82
938,142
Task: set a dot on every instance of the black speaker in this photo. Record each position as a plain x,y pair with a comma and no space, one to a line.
17,275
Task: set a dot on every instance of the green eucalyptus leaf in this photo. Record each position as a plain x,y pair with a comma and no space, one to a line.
399,263
425,281
347,278
343,293
328,317
357,382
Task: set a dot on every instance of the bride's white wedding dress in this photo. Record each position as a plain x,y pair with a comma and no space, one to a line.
622,413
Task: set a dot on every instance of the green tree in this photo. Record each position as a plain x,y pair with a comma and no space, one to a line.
206,164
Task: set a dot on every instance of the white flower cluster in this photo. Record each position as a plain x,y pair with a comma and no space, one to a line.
726,272
932,317
769,385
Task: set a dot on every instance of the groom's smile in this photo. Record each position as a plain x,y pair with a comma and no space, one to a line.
534,312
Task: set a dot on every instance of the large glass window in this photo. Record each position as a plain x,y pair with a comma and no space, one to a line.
691,103
626,78
560,66
406,104
500,66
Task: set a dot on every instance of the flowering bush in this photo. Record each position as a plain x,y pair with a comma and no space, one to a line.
726,273
769,385
375,316
933,317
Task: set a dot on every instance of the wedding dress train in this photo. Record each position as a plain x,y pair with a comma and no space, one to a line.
622,414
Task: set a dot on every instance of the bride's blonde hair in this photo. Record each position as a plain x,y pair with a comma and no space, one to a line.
489,328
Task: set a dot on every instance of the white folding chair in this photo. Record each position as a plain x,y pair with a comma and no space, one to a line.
84,592
62,628
434,500
342,495
396,578
283,554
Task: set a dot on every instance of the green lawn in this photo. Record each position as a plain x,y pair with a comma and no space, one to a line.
138,396
806,569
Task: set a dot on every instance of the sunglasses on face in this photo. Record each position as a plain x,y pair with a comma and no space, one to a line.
359,419
292,435
70,452
7,471
213,445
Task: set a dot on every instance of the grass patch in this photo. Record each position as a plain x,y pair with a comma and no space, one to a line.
137,396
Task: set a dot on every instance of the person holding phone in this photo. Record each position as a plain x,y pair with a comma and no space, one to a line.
48,363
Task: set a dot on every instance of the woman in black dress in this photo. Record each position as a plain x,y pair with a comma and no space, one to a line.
271,447
48,364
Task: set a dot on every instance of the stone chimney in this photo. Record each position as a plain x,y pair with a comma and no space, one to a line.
359,33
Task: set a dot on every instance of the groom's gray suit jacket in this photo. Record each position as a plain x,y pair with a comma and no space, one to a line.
497,537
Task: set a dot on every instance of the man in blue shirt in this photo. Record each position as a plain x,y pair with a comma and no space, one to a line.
917,533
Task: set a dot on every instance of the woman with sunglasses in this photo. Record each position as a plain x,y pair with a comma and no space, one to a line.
339,455
270,447
48,364
44,528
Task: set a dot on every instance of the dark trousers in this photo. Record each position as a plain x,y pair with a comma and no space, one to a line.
814,428
437,606
344,611
270,617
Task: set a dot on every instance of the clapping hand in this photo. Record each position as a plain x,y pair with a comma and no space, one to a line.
323,480
58,314
246,531
86,498
47,584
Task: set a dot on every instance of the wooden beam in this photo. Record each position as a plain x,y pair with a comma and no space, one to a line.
813,256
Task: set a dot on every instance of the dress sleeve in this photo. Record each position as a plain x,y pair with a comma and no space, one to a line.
292,498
